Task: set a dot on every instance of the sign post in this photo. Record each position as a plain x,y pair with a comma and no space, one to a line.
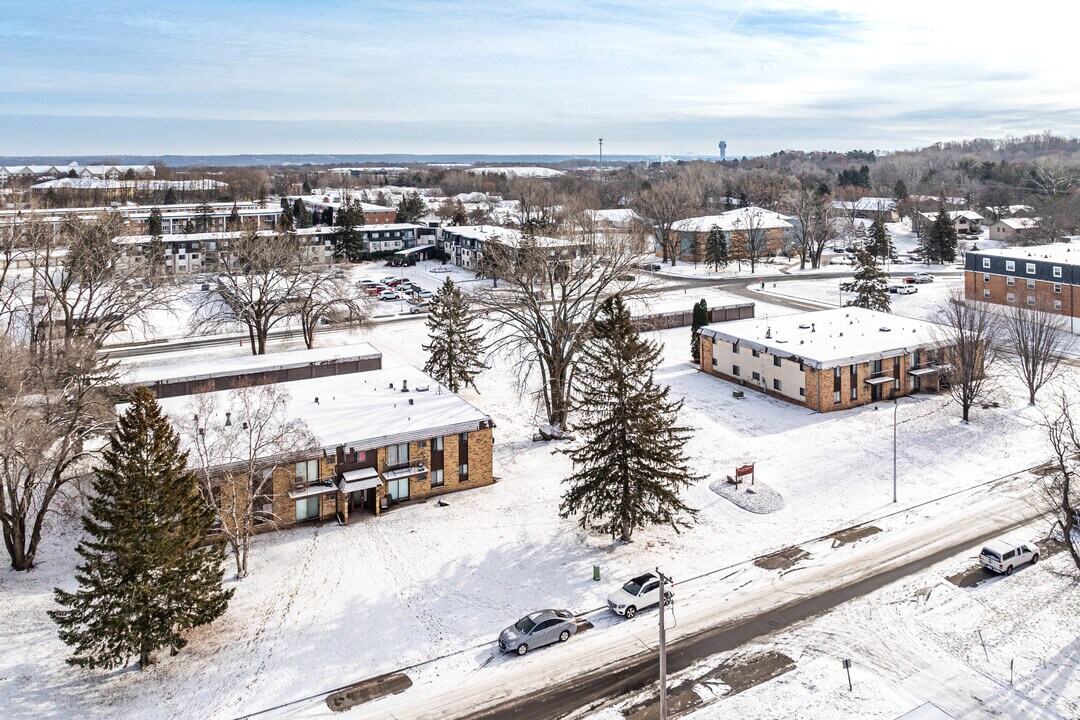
744,471
847,667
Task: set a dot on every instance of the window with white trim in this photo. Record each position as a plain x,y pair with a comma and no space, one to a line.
986,263
1030,284
1057,304
1010,281
986,293
307,508
1057,288
1030,268
1057,271
986,277
398,489
1010,265
1030,299
307,472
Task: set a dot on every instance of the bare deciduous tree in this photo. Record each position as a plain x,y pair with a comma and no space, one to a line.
51,404
750,236
661,206
548,300
1036,340
1061,490
968,338
260,277
321,297
237,441
815,227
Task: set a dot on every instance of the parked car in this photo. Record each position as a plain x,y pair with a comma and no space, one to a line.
909,280
389,295
903,289
366,282
1004,554
425,295
840,260
637,594
375,289
923,277
654,267
419,307
388,279
538,629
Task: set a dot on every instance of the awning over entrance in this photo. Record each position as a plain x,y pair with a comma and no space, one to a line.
361,479
880,380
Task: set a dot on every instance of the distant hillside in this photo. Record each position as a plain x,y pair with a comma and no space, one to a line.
313,159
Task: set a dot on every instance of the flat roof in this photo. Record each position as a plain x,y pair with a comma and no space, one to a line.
207,368
504,236
827,338
361,410
739,219
1064,253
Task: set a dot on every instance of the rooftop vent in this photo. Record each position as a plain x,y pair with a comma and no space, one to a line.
768,333
316,399
885,329
423,387
228,419
404,386
780,342
804,326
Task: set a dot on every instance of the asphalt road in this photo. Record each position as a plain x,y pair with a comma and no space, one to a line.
640,671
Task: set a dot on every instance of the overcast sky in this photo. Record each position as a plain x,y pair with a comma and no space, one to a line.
442,76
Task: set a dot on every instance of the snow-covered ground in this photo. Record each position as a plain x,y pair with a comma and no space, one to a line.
1004,648
329,605
922,304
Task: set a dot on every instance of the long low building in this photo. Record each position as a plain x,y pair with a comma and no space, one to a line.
769,232
214,374
383,438
1044,277
828,359
465,244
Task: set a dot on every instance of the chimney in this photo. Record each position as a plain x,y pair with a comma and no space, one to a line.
244,425
228,419
404,386
316,399
812,328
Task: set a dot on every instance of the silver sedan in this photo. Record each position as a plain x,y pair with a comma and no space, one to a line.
538,629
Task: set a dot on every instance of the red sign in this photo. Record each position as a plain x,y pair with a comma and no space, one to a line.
744,470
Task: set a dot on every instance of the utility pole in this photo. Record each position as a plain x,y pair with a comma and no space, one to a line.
896,406
663,645
601,154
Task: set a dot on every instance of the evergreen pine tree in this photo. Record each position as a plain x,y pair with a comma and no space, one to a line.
347,242
411,208
900,191
716,249
155,225
880,242
700,320
189,228
205,218
630,465
940,243
170,196
870,284
456,345
234,222
306,188
144,580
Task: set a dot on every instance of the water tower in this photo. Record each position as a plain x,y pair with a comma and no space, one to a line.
723,150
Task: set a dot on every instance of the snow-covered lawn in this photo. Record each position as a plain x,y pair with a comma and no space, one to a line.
329,605
922,304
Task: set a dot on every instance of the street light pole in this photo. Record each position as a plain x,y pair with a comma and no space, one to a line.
896,406
663,646
601,154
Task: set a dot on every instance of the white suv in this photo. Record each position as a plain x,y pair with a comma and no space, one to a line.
1004,554
641,592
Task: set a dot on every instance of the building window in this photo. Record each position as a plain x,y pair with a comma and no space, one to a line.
755,353
1057,271
802,366
463,437
1057,288
1057,304
1031,284
1030,299
1010,281
802,392
463,472
436,478
398,489
854,392
1030,268
735,348
986,263
776,361
307,508
836,372
735,370
756,376
986,277
776,385
1009,297
1010,265
714,362
836,398
307,472
436,444
397,455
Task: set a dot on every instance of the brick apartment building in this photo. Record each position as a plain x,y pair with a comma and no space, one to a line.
771,231
384,438
1038,276
828,359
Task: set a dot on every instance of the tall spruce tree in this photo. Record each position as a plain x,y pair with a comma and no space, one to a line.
144,580
700,320
716,249
155,224
940,242
879,242
411,208
348,244
870,284
456,346
630,465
